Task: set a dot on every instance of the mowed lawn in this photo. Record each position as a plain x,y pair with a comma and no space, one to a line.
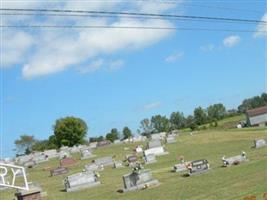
235,182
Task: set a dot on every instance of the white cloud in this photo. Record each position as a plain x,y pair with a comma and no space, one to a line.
116,65
207,48
174,57
92,67
261,29
151,106
21,41
52,51
231,41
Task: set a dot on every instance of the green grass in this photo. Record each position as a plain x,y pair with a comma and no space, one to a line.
235,182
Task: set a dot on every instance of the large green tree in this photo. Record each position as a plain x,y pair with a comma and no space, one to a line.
177,120
24,144
200,115
127,133
160,123
216,111
70,131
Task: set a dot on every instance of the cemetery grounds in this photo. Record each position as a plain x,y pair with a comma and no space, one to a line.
235,182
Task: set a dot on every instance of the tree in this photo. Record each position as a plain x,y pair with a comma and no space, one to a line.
96,139
177,120
200,116
190,123
254,102
70,131
216,112
41,145
160,123
146,127
127,133
24,144
113,135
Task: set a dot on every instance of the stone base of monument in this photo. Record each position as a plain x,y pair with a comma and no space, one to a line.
259,143
181,167
81,181
139,180
235,160
34,193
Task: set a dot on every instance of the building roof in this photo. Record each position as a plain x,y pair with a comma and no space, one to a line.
257,111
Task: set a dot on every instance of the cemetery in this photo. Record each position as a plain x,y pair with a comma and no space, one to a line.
80,178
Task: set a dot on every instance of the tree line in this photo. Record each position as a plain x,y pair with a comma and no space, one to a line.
70,131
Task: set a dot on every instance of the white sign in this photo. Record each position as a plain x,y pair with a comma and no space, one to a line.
9,174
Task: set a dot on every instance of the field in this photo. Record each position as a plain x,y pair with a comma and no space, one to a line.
235,182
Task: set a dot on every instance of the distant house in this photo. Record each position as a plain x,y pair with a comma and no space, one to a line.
257,116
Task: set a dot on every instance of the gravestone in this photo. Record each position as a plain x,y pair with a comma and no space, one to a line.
30,164
139,180
67,162
235,160
181,167
117,142
93,145
59,171
131,158
170,139
52,153
138,149
118,164
64,154
154,143
40,158
103,143
198,167
81,181
74,149
259,143
34,193
150,158
21,160
86,153
93,167
158,151
105,161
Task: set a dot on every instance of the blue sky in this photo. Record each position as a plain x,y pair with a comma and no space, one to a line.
115,78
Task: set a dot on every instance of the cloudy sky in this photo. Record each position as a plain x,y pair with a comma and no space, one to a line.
116,77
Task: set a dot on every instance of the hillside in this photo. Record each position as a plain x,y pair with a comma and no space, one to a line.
235,182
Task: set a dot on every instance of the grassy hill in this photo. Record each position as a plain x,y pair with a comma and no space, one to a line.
235,182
